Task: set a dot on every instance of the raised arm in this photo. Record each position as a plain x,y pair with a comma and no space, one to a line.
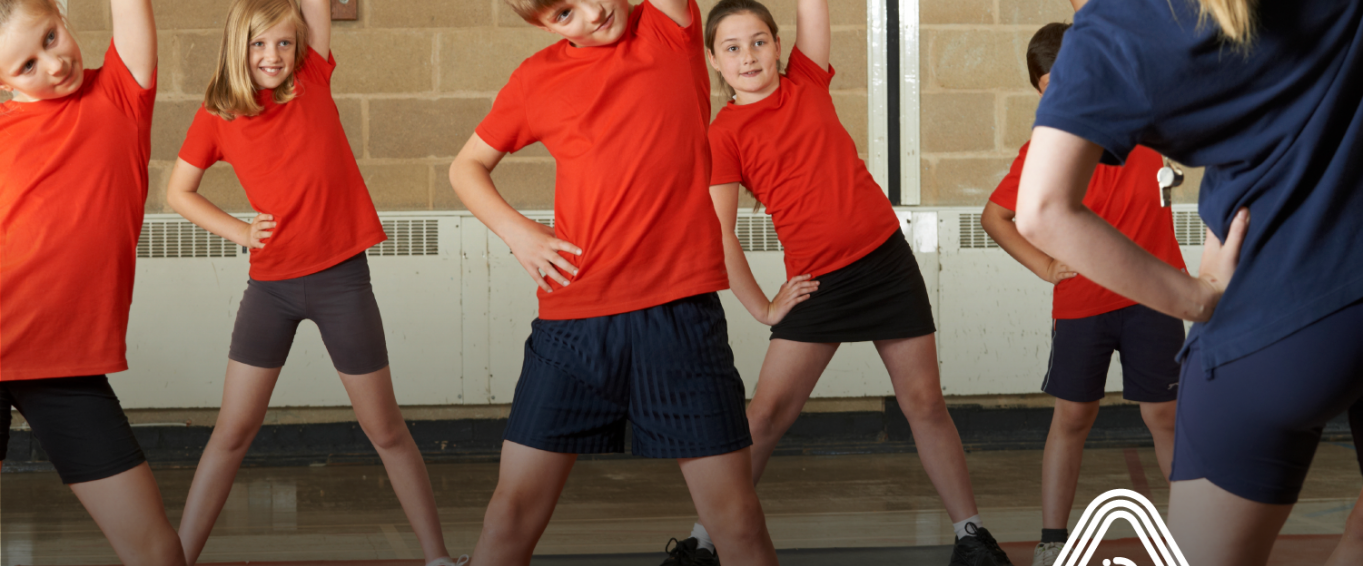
318,15
1052,215
135,37
741,279
813,34
678,10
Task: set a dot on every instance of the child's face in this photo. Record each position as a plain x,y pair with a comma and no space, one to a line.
747,54
272,55
39,59
587,23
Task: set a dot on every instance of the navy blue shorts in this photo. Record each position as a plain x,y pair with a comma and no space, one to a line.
1252,426
1081,352
667,369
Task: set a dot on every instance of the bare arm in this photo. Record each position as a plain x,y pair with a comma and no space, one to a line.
813,32
741,279
533,244
998,223
182,194
1051,214
135,37
1078,4
318,15
678,10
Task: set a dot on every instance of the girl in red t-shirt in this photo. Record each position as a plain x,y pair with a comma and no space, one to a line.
74,145
269,112
852,276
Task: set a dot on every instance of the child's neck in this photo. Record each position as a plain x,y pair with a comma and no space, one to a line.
745,98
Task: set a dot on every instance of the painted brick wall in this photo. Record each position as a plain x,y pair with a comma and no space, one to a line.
415,77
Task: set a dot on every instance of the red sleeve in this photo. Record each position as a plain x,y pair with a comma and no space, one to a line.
315,69
654,24
726,167
804,70
1006,195
507,128
201,144
117,82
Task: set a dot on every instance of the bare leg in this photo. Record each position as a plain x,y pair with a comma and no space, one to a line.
1159,418
789,373
1217,528
918,388
1350,549
1070,426
245,397
128,509
377,410
727,504
529,482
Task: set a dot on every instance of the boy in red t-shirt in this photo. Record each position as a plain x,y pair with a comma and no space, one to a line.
1091,322
630,326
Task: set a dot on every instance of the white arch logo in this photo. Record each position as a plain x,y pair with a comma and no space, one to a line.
1135,509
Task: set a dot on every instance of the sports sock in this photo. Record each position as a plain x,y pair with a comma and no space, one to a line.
702,538
960,527
1054,535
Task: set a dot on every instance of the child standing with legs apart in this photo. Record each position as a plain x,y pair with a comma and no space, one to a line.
631,328
269,113
74,145
1091,322
781,138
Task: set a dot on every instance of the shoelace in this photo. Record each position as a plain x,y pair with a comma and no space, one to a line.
988,541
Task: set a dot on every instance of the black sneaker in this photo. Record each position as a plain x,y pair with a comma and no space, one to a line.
978,549
688,553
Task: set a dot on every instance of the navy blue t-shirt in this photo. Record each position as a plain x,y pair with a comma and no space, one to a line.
1278,128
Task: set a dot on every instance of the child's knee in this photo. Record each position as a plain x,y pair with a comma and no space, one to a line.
1158,415
235,437
388,436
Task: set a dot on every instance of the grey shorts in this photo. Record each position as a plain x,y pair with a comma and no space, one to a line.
338,299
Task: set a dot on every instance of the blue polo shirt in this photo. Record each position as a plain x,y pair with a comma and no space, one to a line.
1279,128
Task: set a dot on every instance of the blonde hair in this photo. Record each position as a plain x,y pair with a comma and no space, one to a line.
232,92
41,7
1235,18
530,10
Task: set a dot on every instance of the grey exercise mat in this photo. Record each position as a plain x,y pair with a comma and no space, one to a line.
902,556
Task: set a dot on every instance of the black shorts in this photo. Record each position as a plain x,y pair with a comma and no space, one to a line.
338,299
1251,426
667,369
1081,352
878,297
79,423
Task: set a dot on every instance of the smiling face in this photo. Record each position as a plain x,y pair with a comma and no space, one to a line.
587,23
39,59
271,55
748,56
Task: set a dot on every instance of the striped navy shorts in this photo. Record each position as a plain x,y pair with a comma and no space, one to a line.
667,369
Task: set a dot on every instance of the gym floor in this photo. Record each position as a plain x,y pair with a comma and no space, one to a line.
836,509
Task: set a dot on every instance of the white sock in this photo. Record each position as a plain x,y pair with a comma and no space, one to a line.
702,537
960,527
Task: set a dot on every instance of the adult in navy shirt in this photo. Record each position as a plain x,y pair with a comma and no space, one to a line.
1269,101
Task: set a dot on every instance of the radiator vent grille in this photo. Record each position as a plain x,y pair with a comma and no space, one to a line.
178,238
757,233
1189,229
409,238
973,236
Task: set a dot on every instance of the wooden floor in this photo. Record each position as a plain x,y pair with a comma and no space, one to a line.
614,507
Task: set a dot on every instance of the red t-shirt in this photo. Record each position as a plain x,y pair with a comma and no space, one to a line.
1127,197
796,157
73,183
295,163
626,125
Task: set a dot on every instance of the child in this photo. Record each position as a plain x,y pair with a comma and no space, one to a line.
269,113
1091,322
1266,97
74,145
781,138
631,327
1350,548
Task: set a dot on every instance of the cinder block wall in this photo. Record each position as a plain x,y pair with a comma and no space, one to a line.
415,77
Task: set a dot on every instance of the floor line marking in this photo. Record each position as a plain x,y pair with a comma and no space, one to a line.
395,541
1139,482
